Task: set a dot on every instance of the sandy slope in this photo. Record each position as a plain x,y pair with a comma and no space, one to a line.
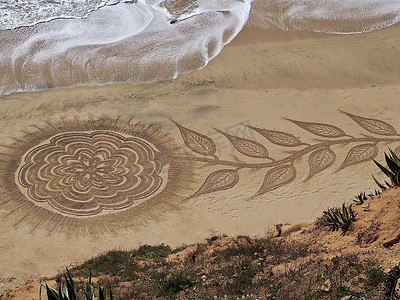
376,220
259,80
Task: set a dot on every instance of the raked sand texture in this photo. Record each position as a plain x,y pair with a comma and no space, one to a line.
273,130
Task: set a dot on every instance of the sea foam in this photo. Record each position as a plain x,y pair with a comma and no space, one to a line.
75,42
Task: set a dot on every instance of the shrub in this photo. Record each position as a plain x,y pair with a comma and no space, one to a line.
375,277
177,283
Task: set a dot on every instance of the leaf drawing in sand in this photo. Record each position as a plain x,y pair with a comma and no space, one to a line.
197,142
218,181
277,177
397,151
373,125
247,147
320,129
278,137
359,154
320,160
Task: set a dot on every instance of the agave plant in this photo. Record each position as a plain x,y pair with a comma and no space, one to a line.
337,218
67,291
393,170
360,198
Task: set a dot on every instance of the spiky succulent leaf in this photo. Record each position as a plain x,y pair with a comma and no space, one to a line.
110,292
397,178
60,295
89,292
381,186
391,164
384,170
102,293
388,184
51,293
89,289
70,278
345,213
395,158
70,287
62,292
338,217
353,216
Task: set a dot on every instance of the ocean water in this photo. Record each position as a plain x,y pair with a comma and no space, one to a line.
52,43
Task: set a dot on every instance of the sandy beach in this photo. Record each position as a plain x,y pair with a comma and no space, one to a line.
275,129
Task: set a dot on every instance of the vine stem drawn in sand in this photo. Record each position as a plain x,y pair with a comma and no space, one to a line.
283,171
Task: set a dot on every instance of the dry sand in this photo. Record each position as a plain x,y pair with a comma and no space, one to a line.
256,81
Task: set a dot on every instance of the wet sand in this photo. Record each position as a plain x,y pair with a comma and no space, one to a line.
269,83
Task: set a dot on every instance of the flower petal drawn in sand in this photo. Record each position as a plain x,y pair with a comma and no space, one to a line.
84,173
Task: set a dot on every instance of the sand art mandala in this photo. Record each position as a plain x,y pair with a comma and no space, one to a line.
85,173
92,175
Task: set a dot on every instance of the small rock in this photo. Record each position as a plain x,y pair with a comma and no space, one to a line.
391,241
278,230
346,298
326,287
204,277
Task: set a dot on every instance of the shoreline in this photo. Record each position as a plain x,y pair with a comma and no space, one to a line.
293,59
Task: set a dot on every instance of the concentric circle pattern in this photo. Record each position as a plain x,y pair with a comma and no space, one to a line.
81,173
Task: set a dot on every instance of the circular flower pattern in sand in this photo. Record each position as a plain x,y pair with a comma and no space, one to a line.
83,173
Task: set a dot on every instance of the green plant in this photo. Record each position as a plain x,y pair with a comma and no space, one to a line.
177,283
337,218
393,170
344,291
67,290
213,238
273,290
336,262
315,295
375,193
359,199
375,277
